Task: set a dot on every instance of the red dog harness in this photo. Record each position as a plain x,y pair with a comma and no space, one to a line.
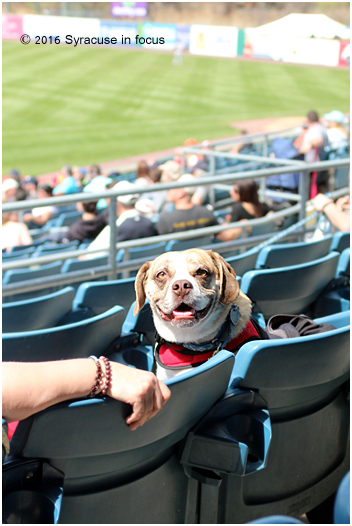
171,356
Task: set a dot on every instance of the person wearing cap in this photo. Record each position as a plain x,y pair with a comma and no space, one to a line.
40,215
130,223
9,189
29,184
337,134
186,215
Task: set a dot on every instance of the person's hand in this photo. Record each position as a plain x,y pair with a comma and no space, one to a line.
343,203
141,389
320,201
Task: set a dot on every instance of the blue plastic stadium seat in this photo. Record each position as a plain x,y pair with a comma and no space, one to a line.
101,296
109,474
340,241
243,263
336,296
39,313
274,256
25,250
277,519
74,340
148,251
342,502
185,244
303,384
289,290
72,264
28,274
67,218
55,248
343,268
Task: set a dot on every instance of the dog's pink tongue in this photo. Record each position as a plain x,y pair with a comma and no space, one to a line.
183,314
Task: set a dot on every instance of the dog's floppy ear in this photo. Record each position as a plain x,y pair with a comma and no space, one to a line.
139,287
229,288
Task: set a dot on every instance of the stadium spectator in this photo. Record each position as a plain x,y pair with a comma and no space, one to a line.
28,388
242,147
170,172
246,206
338,213
13,233
67,184
89,225
99,183
186,215
314,140
9,190
142,174
337,134
78,174
312,149
130,223
29,184
40,215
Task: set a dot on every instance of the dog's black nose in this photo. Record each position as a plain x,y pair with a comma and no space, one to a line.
182,287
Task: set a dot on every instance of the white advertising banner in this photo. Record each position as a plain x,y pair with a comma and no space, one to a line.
216,41
60,26
315,51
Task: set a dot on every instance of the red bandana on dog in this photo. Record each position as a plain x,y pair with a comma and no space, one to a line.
175,356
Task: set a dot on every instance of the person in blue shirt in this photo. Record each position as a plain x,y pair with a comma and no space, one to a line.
68,184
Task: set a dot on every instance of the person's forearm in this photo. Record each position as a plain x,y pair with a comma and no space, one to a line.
32,387
338,218
230,234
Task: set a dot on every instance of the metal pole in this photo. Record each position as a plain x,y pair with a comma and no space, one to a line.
113,237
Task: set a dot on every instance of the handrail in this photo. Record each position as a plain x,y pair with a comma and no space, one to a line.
112,268
159,187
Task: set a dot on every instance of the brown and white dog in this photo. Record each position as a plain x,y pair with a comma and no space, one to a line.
198,308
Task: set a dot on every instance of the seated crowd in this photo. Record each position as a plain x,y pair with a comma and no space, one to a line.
161,212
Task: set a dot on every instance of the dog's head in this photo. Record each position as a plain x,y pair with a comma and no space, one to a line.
190,293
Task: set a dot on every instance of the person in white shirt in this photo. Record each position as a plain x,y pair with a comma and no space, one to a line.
337,134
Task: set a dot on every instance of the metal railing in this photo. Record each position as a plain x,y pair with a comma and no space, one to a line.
113,268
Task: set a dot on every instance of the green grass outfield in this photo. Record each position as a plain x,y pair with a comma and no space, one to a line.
87,105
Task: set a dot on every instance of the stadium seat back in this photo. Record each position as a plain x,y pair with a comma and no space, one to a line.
340,241
100,296
275,256
289,290
185,244
244,262
38,313
303,384
109,473
75,340
28,274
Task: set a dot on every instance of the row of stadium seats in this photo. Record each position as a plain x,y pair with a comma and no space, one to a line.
316,288
269,431
268,434
299,253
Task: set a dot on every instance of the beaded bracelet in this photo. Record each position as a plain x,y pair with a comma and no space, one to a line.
98,379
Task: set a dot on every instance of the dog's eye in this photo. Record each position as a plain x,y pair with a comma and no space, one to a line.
201,272
161,275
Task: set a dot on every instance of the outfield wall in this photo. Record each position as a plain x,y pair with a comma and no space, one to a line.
205,40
